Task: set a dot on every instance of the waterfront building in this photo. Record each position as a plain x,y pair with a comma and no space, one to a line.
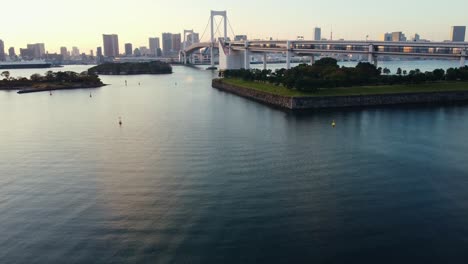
75,52
416,37
240,38
387,37
11,52
2,51
154,46
144,51
111,45
99,55
27,54
317,33
196,39
398,36
64,52
167,43
176,42
37,50
457,34
128,49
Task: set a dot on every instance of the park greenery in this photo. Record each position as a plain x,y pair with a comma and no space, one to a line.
130,68
66,79
326,73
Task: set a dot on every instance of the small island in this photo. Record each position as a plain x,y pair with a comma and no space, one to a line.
50,81
326,85
130,68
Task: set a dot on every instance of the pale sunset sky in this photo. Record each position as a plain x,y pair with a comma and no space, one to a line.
81,23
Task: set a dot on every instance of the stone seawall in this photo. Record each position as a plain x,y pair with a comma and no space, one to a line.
266,98
317,102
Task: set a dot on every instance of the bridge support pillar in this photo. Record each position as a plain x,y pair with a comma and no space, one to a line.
312,60
463,58
371,56
212,62
246,56
288,55
264,61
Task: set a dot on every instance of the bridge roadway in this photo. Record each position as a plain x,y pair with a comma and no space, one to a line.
373,49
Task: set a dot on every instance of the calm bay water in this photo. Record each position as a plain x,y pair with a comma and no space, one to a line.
196,175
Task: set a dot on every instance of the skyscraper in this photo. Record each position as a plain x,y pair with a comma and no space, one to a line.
99,57
75,52
64,52
387,37
111,45
458,33
196,39
128,49
176,42
2,51
154,46
398,36
99,51
11,52
167,43
317,33
37,50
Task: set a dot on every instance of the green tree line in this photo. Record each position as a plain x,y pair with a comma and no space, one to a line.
326,73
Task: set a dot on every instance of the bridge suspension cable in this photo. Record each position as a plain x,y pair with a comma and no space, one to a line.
207,25
232,31
217,28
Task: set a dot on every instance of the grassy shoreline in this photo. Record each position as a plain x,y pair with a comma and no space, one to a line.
350,91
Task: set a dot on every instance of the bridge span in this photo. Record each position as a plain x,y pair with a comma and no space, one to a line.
237,54
372,49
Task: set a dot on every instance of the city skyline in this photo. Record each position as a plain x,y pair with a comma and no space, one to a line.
276,21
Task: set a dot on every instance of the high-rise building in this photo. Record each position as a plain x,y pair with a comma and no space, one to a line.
458,33
38,50
176,42
99,51
128,49
196,39
317,33
99,57
387,37
27,54
64,52
154,46
167,43
416,37
398,36
75,52
2,51
144,51
111,45
11,52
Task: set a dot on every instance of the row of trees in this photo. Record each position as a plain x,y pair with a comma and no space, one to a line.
66,77
154,67
326,73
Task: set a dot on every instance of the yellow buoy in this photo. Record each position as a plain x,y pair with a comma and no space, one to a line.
333,123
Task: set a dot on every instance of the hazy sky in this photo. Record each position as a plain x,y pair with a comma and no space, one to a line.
82,22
